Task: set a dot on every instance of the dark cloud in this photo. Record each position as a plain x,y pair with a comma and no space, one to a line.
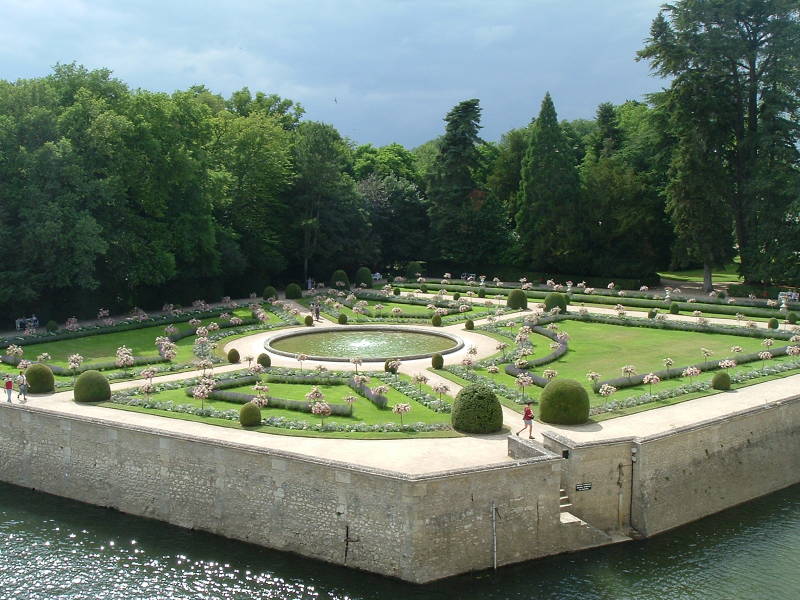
380,71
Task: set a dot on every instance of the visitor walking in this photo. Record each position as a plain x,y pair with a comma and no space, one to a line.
9,385
22,387
527,420
316,311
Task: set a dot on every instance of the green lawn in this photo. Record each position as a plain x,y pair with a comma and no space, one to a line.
409,309
728,273
364,411
606,348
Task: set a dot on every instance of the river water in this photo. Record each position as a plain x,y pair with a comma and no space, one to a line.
55,548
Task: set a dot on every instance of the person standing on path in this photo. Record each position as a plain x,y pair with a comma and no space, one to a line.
9,385
22,386
527,420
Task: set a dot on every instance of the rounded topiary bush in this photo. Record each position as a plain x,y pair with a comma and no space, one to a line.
792,318
396,291
233,356
40,379
436,321
51,326
477,410
721,381
308,320
363,276
250,415
651,314
773,323
564,402
293,292
456,296
481,293
469,325
412,269
342,319
517,299
270,292
555,299
437,361
674,309
264,360
423,288
391,368
92,386
339,276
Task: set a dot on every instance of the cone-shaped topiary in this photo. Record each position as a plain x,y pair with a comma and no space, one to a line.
651,314
481,293
363,275
456,296
396,291
342,319
437,361
773,323
270,292
721,381
674,309
436,321
293,292
233,356
555,299
564,402
308,320
469,324
250,415
477,410
40,379
264,360
423,287
792,318
92,386
339,276
517,299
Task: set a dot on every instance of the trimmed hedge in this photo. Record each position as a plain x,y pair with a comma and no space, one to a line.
792,318
308,320
469,325
339,275
250,415
233,356
92,386
456,296
413,268
293,292
387,368
270,292
773,323
437,361
652,313
40,379
264,360
396,291
721,381
436,320
555,299
342,319
517,299
674,308
477,410
564,402
363,275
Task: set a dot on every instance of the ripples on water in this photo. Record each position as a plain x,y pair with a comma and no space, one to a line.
54,548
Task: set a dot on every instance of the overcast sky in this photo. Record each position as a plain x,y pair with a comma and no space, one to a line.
379,70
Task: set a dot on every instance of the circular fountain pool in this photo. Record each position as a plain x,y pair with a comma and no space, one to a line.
367,343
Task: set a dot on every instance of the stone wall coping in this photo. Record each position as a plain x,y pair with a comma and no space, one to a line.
566,441
277,453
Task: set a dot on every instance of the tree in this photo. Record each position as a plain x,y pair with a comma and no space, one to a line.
547,204
451,187
735,79
696,203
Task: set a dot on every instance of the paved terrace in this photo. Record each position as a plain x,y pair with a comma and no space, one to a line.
426,455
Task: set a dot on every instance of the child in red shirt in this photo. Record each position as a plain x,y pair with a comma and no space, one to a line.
527,420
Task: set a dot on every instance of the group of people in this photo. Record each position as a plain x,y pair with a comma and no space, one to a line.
31,322
22,387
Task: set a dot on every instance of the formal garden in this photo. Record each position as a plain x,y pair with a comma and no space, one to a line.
575,352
